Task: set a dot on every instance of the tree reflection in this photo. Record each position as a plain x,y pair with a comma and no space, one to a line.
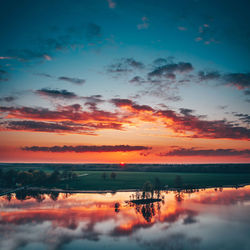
179,196
8,197
117,207
148,211
54,196
37,195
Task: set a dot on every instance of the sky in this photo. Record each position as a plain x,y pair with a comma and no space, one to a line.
111,81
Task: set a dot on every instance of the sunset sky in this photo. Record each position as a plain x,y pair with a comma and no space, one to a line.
134,81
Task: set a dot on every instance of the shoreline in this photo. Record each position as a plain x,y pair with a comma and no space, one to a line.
72,191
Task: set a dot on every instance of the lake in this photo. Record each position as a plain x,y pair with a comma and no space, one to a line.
197,219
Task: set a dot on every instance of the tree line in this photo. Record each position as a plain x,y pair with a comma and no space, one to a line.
14,178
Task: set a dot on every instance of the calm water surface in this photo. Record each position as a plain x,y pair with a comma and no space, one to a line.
207,219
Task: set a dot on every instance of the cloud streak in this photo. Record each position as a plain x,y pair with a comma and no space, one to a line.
56,93
87,148
206,152
125,65
88,128
73,80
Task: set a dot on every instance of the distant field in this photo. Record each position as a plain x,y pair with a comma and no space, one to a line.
135,180
167,168
133,176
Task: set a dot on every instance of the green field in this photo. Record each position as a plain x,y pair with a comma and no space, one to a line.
135,180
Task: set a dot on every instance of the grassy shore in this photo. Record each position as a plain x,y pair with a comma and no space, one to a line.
135,180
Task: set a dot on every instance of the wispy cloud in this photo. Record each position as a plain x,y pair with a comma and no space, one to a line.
73,80
56,93
87,148
206,152
111,4
8,98
125,65
63,127
3,75
144,25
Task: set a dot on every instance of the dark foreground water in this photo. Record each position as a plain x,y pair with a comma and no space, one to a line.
207,219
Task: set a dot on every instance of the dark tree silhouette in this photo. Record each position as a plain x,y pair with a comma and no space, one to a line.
24,177
54,196
179,196
157,186
54,177
21,195
148,211
10,177
39,176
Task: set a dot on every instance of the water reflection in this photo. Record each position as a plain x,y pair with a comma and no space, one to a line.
187,219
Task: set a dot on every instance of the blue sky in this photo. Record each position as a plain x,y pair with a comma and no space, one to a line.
97,47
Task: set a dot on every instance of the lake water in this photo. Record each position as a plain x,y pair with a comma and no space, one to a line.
204,219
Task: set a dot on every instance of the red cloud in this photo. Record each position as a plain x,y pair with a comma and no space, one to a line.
183,123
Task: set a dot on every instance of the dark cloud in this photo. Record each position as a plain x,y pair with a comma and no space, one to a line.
124,231
222,107
190,219
186,123
164,79
173,241
243,117
200,128
58,127
169,70
56,93
44,74
186,112
212,75
118,102
128,103
125,65
74,80
72,112
162,61
86,148
44,126
138,80
45,48
8,98
239,80
206,152
3,75
27,55
93,99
